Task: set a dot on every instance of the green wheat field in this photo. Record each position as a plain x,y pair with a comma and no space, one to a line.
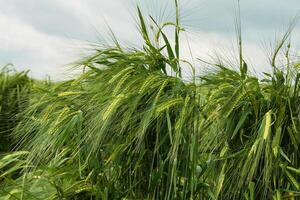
131,126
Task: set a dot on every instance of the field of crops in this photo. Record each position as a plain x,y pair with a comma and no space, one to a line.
131,126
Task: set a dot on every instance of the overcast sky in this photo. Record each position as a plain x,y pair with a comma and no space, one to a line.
45,35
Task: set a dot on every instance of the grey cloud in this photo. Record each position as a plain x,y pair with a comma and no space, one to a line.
63,20
218,15
47,17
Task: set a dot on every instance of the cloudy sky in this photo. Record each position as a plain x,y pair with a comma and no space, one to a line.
45,35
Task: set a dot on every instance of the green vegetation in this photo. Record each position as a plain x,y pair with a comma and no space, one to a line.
14,93
130,127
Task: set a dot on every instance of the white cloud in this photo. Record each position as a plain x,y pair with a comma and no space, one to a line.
26,41
31,49
208,45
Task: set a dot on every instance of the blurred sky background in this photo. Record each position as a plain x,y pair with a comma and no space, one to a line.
45,35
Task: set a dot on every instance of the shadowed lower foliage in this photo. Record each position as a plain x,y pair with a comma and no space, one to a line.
129,127
14,91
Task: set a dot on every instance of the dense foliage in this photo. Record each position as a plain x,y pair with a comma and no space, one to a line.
130,127
14,92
